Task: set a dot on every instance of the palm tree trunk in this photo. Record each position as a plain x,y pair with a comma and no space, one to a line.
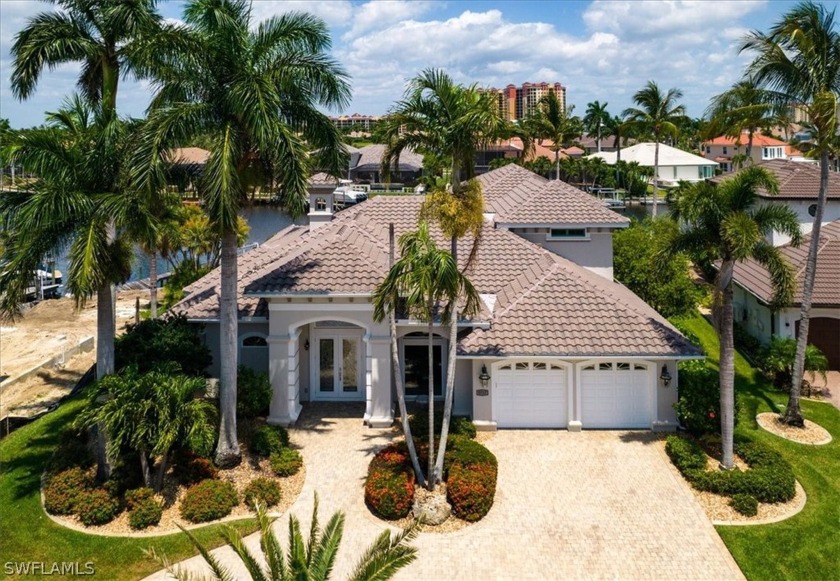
655,175
227,451
105,333
793,413
749,145
153,278
449,394
144,467
725,322
161,472
431,466
556,164
398,381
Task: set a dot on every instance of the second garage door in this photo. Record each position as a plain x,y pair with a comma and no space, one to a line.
530,394
615,395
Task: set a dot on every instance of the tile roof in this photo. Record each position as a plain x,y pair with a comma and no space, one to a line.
543,303
322,179
520,197
371,159
755,278
797,180
189,156
758,140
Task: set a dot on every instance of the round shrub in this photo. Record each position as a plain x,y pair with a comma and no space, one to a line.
138,496
744,504
191,468
471,490
145,512
263,490
208,500
460,450
97,507
63,490
389,488
286,462
267,440
253,393
458,425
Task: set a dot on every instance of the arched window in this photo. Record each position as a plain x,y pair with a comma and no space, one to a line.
320,204
254,341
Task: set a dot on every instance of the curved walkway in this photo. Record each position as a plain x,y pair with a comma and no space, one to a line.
568,505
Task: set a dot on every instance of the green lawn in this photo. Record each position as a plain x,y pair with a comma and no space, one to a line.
27,534
806,546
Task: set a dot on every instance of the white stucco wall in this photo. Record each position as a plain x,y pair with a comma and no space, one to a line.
806,221
212,338
753,316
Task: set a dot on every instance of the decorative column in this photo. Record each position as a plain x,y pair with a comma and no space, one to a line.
284,374
379,411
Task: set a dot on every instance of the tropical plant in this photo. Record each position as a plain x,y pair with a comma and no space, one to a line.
255,93
311,558
656,114
744,107
154,414
426,282
799,59
781,357
596,120
615,127
553,121
725,224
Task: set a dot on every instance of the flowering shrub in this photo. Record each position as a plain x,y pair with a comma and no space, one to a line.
209,500
97,507
471,489
64,489
145,513
389,489
263,490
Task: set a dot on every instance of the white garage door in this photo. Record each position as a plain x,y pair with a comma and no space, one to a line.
615,395
530,394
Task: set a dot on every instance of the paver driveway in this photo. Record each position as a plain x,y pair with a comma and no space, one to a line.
568,505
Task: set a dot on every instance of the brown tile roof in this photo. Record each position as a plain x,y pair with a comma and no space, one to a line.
797,180
755,278
544,303
371,159
520,197
322,179
188,156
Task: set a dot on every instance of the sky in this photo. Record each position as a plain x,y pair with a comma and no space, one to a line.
599,50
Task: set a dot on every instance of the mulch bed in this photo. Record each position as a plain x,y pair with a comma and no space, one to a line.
812,434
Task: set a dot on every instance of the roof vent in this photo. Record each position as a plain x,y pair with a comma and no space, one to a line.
320,209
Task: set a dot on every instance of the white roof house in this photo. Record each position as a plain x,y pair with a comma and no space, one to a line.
675,165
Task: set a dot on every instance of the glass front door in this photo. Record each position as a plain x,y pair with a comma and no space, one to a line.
338,367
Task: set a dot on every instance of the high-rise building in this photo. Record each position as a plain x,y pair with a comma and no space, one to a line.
516,103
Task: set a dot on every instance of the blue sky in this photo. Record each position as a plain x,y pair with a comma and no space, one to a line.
604,50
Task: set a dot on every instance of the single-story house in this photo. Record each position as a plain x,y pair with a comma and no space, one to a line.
675,165
754,291
556,344
799,185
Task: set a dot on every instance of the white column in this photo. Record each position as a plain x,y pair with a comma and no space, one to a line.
380,410
283,370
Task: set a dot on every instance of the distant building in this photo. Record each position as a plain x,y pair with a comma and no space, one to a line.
723,148
675,165
357,122
516,103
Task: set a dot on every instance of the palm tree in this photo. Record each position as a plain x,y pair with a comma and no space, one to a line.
552,121
743,107
656,114
426,280
615,127
255,94
312,558
799,59
596,119
724,224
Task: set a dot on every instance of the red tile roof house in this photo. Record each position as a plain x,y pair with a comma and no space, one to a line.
564,345
764,148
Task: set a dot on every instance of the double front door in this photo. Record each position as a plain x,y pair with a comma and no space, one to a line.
337,366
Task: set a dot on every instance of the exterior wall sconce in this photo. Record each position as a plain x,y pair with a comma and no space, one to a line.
306,344
484,377
665,376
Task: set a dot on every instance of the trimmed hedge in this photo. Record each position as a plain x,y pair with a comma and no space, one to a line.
263,490
134,498
745,504
286,462
63,490
458,425
460,450
97,507
209,500
389,488
769,479
267,440
470,490
145,513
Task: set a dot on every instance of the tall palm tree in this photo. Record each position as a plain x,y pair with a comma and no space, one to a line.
596,119
615,127
552,121
743,107
656,114
426,281
312,558
112,39
255,93
799,59
725,224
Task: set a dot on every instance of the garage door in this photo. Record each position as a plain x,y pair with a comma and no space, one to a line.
824,334
615,395
530,394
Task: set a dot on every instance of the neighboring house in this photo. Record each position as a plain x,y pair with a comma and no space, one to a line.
799,184
754,291
675,165
554,346
764,148
367,167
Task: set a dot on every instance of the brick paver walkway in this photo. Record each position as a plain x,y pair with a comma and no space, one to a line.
568,505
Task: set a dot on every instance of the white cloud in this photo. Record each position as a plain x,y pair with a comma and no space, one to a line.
385,13
336,13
